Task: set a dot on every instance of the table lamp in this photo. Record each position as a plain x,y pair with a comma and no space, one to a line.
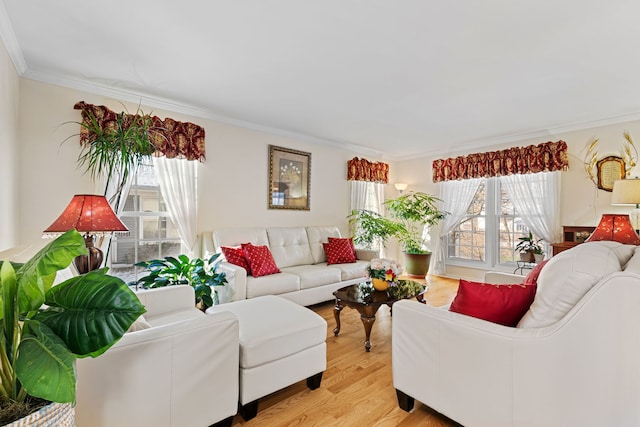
89,214
626,192
615,227
401,186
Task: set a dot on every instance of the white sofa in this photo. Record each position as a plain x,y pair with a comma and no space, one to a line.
182,371
305,277
582,369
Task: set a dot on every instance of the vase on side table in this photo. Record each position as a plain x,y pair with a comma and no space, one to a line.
379,284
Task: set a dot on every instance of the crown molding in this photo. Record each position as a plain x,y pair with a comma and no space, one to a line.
8,35
190,110
475,145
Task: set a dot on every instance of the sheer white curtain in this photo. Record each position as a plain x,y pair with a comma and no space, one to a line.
369,196
109,189
536,198
456,196
178,184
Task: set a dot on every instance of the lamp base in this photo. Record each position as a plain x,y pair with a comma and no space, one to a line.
93,261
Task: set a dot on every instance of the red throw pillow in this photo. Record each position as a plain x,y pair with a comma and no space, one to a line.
260,260
236,256
532,277
346,239
503,304
339,251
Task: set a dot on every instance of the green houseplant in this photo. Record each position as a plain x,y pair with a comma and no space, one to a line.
201,274
408,215
529,246
45,328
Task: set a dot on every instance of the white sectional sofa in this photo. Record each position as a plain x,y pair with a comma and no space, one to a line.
305,277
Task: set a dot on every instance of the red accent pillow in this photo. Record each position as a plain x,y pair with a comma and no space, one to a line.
260,260
532,277
346,239
503,304
236,256
339,251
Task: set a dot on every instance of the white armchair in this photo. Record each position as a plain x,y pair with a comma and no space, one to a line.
182,371
583,370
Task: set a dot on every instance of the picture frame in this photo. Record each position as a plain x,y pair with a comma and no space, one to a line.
610,169
289,179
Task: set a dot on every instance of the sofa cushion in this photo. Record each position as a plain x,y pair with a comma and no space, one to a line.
273,284
140,324
339,251
260,260
236,256
532,277
351,270
633,265
289,246
317,236
235,237
503,304
312,276
571,274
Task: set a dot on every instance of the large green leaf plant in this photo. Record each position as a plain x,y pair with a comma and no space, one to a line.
45,328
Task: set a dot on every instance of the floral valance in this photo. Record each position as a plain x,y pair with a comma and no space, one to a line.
364,170
545,157
171,138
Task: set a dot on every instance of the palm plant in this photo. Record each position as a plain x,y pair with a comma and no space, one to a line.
45,328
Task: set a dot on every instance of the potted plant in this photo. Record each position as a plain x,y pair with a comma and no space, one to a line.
383,271
528,246
200,274
408,215
45,328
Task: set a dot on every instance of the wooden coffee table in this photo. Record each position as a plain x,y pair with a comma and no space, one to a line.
367,301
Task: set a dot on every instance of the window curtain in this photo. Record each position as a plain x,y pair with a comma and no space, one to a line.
178,184
365,170
368,196
536,198
117,198
456,196
545,157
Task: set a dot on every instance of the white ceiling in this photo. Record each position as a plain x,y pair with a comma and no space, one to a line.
398,78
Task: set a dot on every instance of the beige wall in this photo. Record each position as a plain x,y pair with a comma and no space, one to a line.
9,101
582,203
232,181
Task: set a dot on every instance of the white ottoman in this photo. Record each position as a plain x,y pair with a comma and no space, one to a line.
281,343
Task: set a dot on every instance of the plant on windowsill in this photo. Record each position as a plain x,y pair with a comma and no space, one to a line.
529,246
45,328
408,215
200,274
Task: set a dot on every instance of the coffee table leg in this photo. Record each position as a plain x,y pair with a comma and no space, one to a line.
336,313
368,324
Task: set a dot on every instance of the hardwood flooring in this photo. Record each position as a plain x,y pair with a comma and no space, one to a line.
357,387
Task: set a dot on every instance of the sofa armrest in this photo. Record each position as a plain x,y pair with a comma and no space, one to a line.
366,254
236,287
164,375
500,278
160,301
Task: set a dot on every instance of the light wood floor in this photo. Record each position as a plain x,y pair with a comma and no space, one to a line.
357,387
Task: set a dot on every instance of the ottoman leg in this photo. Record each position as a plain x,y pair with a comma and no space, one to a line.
250,410
313,382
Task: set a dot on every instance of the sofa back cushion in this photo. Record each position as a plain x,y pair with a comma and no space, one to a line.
633,265
568,276
317,236
289,246
235,237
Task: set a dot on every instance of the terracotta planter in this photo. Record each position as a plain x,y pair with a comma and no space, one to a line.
417,265
54,414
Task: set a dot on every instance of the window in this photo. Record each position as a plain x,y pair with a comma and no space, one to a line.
151,232
489,231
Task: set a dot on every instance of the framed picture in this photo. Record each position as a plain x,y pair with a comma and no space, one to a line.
289,178
610,169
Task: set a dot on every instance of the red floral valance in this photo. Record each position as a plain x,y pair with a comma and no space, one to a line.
364,170
171,138
545,157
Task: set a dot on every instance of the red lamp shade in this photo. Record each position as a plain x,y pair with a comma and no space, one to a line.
90,214
615,227
87,213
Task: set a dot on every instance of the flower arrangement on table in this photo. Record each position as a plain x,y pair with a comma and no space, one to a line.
382,271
